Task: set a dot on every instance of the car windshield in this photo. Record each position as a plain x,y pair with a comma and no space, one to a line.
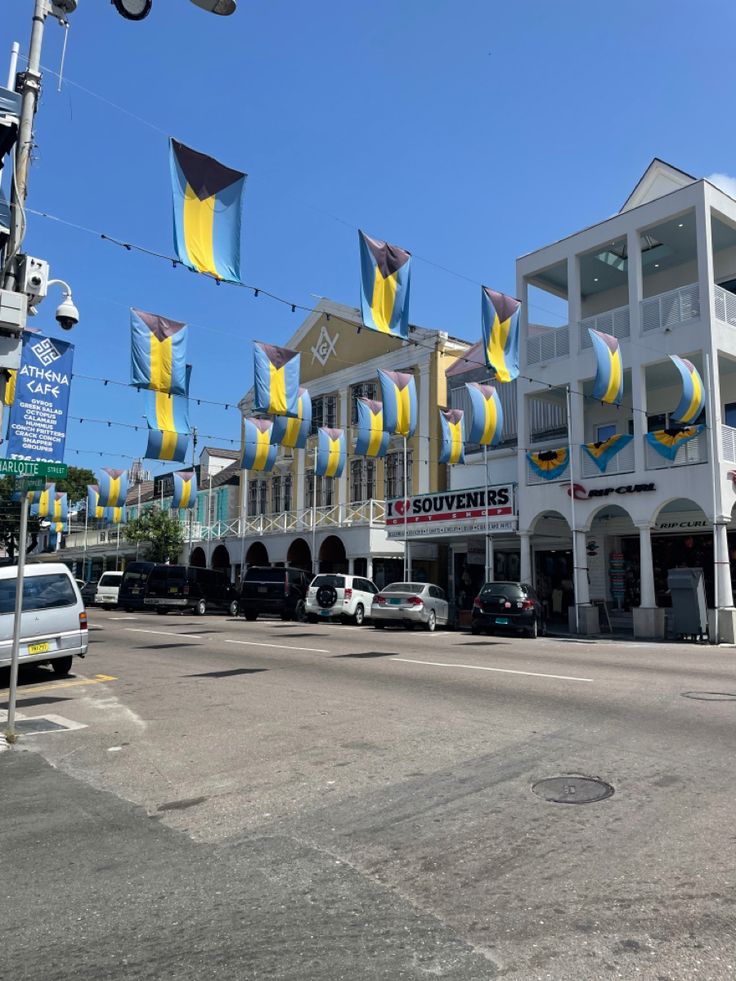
39,593
111,579
404,587
337,581
506,590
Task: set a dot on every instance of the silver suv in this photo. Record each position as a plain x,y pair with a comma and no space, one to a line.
347,597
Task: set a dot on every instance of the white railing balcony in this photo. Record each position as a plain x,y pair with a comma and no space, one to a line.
352,514
623,462
690,453
728,444
725,306
670,309
553,343
615,322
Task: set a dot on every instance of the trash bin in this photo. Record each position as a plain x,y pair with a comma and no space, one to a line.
689,613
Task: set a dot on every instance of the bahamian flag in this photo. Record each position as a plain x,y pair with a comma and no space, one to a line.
693,394
208,202
549,464
500,317
668,441
93,507
486,414
294,432
114,516
185,489
42,501
609,375
385,277
331,452
399,398
168,425
602,452
60,510
372,439
259,453
276,378
113,487
158,351
452,439
9,394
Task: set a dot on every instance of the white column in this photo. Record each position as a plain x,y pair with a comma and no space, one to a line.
343,420
574,302
582,586
525,559
369,568
638,385
647,597
724,588
422,447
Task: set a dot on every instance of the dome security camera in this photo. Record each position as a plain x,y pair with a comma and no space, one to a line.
67,315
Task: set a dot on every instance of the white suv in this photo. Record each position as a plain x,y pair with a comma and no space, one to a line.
340,596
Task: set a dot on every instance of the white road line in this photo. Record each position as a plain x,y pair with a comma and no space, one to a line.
280,647
162,633
122,618
477,667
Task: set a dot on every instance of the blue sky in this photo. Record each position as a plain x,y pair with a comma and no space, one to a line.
467,133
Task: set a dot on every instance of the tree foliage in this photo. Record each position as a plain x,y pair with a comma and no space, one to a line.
10,521
75,484
160,532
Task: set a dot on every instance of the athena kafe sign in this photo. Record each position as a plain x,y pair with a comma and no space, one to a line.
446,513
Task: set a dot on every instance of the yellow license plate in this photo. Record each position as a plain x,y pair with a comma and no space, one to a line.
38,648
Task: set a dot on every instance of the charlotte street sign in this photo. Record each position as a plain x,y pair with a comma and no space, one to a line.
34,468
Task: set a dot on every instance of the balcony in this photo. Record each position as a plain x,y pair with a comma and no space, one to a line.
615,322
623,462
533,478
670,309
358,514
553,343
690,453
728,443
725,306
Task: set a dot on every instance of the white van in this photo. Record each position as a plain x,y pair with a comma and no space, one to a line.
108,589
54,622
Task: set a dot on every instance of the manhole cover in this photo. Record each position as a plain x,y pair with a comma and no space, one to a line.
572,789
711,696
38,725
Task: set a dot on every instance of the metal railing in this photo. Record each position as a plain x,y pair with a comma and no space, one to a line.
671,308
623,462
532,477
615,322
690,453
725,306
360,513
553,343
728,444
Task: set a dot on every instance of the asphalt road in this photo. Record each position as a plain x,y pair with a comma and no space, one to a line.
292,801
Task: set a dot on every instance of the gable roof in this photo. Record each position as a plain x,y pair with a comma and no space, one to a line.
658,179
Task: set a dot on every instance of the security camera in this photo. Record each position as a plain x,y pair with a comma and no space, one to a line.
67,315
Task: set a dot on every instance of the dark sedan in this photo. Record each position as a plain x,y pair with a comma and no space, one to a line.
508,606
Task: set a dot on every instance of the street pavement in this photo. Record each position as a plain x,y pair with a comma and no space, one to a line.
298,801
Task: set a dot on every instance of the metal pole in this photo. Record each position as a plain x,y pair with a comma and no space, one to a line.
315,564
138,514
715,477
84,553
489,546
405,488
244,523
210,522
15,650
117,551
13,67
572,513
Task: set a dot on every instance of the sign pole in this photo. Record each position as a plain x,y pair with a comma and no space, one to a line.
117,551
315,564
575,570
405,488
84,554
489,543
244,523
15,650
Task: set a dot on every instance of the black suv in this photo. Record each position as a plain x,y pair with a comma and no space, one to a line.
132,592
278,591
508,606
188,587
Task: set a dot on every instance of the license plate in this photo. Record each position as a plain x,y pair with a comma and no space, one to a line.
135,590
38,648
324,613
396,602
502,621
263,589
173,589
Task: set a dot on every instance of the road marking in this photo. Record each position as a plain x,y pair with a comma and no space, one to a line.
478,667
99,679
280,647
122,618
162,633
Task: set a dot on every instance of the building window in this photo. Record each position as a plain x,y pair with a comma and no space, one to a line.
287,492
364,390
276,495
262,496
325,490
324,412
395,474
252,497
605,432
362,480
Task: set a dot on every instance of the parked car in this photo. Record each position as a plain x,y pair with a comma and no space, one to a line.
411,604
53,628
188,587
274,590
508,606
347,597
106,594
132,594
89,591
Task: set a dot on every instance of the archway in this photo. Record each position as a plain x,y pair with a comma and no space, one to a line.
221,559
682,537
198,558
552,563
257,554
299,555
332,557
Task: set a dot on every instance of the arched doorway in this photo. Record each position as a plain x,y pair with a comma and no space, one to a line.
257,554
682,538
221,559
332,557
198,558
299,555
552,564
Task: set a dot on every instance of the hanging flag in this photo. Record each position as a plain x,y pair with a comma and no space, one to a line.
60,510
276,376
549,464
609,376
114,516
668,441
158,351
452,441
486,414
602,452
185,489
500,316
93,508
113,487
259,453
399,397
693,394
168,425
208,202
9,394
56,527
42,501
385,277
372,439
331,452
293,432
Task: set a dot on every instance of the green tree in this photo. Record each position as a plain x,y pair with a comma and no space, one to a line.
161,533
75,484
10,521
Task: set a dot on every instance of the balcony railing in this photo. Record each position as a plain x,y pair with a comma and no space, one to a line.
553,343
670,309
728,444
725,306
690,453
356,514
623,462
615,322
532,477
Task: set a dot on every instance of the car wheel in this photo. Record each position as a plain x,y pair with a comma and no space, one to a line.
359,615
251,617
431,621
474,629
62,665
200,608
300,613
234,609
161,610
533,631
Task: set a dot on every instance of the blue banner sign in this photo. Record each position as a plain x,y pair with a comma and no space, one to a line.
38,415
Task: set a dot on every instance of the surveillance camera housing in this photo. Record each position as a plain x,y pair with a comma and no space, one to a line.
67,315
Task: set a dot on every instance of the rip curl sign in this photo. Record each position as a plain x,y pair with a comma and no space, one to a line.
579,493
453,512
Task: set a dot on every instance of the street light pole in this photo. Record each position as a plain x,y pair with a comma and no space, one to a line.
15,649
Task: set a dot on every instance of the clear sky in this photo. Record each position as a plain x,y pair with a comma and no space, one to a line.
468,133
